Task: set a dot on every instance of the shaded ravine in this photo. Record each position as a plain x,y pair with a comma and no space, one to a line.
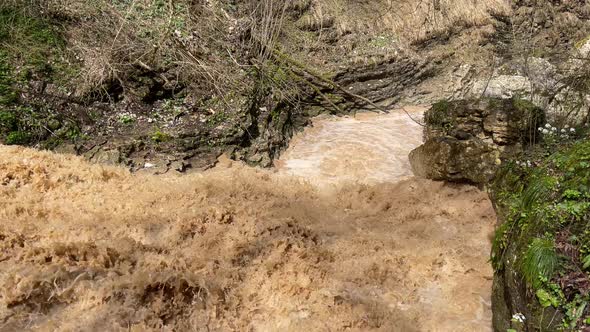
87,247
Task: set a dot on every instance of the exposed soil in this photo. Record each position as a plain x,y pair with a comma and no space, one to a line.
90,247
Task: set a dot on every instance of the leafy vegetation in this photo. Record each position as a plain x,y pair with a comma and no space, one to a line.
32,48
540,261
546,209
32,44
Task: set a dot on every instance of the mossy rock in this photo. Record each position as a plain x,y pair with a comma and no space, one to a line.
450,159
466,140
504,121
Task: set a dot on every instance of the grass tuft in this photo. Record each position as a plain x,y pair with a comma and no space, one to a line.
540,261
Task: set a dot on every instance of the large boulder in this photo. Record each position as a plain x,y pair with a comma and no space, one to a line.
451,159
466,140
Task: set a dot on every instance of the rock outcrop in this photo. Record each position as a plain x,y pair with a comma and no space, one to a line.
559,89
465,140
452,159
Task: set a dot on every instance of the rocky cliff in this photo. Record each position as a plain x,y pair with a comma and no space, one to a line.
466,140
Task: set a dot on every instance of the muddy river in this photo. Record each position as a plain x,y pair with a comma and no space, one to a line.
339,236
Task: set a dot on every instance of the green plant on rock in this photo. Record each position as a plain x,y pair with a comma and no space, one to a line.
439,116
217,118
574,310
160,137
126,119
547,299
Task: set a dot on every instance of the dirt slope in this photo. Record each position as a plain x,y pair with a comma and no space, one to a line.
87,247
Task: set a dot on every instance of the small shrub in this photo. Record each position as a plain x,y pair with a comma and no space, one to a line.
126,119
17,138
8,121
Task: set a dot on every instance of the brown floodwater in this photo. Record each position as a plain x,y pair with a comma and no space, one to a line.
367,148
339,237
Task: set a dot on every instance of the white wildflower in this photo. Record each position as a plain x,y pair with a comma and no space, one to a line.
545,131
572,130
540,128
563,130
548,126
553,129
518,317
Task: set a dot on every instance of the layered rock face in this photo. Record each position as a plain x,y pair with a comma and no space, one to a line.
465,140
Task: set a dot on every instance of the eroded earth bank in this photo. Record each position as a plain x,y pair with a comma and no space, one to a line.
357,244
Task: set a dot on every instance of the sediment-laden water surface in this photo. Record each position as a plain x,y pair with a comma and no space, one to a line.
338,237
367,148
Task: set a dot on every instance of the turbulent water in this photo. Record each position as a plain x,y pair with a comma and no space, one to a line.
339,237
367,148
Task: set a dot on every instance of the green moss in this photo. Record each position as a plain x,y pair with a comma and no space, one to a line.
439,116
524,105
160,137
441,106
529,112
382,41
217,118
